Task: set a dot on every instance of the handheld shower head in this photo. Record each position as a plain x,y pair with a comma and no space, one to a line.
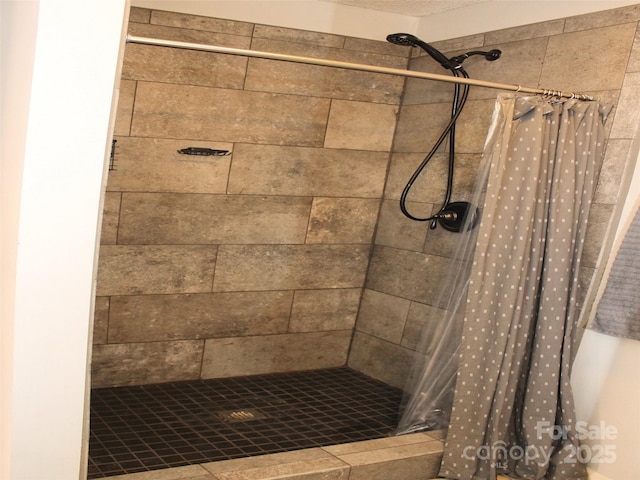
408,40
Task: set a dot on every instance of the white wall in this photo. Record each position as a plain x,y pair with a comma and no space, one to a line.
55,128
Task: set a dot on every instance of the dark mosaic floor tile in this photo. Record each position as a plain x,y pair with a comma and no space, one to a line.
147,427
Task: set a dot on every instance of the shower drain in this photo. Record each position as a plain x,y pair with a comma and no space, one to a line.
242,415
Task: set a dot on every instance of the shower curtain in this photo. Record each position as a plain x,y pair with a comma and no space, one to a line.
512,407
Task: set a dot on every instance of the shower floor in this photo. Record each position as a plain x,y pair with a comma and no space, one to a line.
149,427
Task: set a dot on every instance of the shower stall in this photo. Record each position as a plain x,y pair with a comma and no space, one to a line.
251,222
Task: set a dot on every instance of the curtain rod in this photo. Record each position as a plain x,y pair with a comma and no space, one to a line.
353,66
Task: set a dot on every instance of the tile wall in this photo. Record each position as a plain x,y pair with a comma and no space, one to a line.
597,53
217,266
257,262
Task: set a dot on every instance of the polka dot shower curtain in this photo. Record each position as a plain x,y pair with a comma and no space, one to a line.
512,409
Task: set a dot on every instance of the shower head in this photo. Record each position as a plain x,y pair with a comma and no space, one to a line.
408,40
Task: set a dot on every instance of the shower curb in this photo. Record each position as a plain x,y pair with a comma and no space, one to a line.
415,456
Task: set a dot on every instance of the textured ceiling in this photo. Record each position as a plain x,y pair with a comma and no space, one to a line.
414,8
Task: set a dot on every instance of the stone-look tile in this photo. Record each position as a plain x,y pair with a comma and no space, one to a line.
422,91
360,126
473,126
396,230
428,189
411,275
377,46
318,81
308,464
342,220
139,15
417,460
191,472
419,126
190,36
148,318
379,359
323,310
290,267
141,269
273,170
331,53
613,166
101,320
572,64
520,64
110,218
627,113
603,18
525,32
369,446
178,65
382,315
634,58
298,36
154,165
196,22
440,241
599,218
124,113
230,357
422,321
185,219
469,42
206,113
144,363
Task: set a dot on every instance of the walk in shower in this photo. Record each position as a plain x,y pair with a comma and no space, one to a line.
279,246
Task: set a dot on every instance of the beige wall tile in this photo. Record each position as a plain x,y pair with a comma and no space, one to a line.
110,218
599,218
229,357
308,464
205,113
228,39
274,170
572,64
610,179
634,58
382,315
298,36
603,18
428,189
139,15
411,275
154,165
379,359
421,460
422,323
285,267
342,220
376,46
366,57
125,107
148,318
396,230
419,126
627,114
178,219
473,126
143,363
461,43
149,269
177,65
533,30
101,320
323,310
421,91
360,126
196,22
312,80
